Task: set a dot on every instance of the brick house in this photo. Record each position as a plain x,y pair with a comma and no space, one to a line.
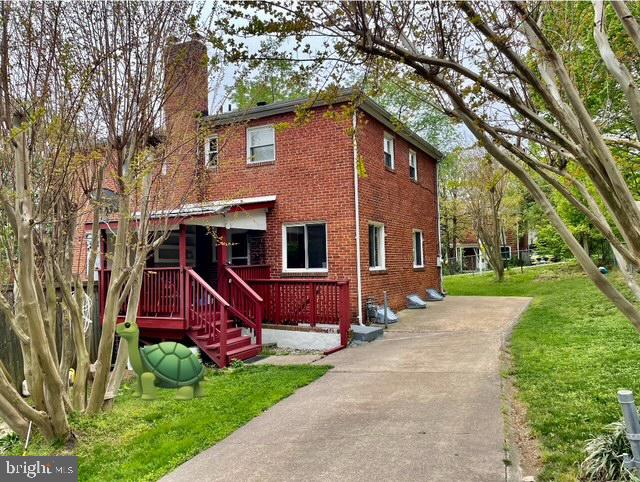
293,223
469,256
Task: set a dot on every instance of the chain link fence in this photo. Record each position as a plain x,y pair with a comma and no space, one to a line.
473,261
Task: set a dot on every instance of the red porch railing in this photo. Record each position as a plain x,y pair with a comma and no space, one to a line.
161,294
256,271
291,301
245,303
207,313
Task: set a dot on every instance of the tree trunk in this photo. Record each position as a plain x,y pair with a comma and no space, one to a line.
112,307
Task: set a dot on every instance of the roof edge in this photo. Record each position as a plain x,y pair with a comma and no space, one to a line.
367,105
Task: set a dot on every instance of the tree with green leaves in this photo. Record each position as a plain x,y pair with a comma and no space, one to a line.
498,68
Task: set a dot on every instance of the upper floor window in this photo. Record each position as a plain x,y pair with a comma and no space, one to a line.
413,166
211,152
376,246
261,144
305,247
389,151
418,249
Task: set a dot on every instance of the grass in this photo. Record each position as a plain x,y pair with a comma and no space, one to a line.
140,440
572,351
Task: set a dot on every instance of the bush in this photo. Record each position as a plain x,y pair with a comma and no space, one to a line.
605,456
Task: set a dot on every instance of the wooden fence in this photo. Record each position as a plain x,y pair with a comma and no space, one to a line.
11,355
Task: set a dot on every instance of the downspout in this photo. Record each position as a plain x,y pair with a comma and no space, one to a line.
439,226
354,125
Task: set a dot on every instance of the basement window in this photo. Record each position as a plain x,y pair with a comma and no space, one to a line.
305,247
261,144
376,247
418,249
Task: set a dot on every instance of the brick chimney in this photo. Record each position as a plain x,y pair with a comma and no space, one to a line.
186,82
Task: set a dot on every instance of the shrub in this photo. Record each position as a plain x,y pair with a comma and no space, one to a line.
605,456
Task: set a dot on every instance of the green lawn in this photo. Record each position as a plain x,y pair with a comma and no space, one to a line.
144,440
572,351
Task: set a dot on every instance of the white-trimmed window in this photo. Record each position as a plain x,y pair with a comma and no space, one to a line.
506,252
376,246
413,165
305,247
239,252
211,152
261,144
389,151
168,253
418,249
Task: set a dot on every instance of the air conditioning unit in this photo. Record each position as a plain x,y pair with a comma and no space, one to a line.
439,261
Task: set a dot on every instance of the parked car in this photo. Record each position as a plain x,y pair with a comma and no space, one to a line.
539,259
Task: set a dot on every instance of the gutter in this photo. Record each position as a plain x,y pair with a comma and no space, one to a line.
354,125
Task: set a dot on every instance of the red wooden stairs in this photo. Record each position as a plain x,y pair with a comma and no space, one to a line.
224,330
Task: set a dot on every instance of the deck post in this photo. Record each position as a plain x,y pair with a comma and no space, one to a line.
102,294
182,278
223,259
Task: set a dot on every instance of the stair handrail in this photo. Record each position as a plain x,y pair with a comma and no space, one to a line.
243,283
191,272
257,299
223,304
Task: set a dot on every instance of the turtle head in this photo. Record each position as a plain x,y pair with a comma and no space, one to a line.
127,330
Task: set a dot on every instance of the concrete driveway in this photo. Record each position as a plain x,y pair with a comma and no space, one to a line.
423,403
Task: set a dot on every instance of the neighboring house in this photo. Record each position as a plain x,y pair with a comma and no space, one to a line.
291,223
469,256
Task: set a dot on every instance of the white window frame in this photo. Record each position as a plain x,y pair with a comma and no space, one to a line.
285,268
273,138
392,139
413,242
510,252
413,157
207,146
382,262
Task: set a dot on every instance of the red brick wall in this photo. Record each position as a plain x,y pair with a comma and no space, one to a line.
312,178
402,205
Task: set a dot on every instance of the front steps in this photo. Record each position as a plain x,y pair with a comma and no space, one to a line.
239,346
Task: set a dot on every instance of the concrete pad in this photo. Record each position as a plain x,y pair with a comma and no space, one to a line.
422,403
464,313
289,359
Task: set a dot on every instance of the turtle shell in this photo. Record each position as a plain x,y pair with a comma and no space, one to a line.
173,364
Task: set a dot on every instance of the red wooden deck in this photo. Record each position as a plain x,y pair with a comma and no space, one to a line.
226,324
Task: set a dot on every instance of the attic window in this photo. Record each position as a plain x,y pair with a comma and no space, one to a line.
211,152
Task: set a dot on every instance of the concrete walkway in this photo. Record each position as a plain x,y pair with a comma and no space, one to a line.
422,404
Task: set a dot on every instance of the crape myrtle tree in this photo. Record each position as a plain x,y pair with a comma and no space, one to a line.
82,91
499,69
491,203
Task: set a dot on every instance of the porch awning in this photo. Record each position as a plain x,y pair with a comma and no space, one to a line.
242,213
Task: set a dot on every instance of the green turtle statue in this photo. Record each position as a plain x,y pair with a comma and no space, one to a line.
165,365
